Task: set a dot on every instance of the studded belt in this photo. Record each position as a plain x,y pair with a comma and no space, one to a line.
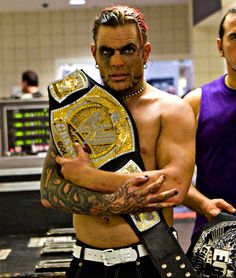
110,257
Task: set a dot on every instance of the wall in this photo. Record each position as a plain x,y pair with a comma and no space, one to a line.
37,40
208,64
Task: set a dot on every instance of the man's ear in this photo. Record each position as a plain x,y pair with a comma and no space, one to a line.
93,50
146,52
220,47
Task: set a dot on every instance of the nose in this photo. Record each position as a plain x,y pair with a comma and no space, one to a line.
116,59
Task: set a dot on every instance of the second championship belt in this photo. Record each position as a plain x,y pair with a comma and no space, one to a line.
83,111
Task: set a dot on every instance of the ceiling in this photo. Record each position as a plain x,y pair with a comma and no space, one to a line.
37,5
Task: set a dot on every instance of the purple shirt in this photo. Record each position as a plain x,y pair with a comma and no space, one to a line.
216,144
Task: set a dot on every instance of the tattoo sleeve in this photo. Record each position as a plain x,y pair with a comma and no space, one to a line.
59,193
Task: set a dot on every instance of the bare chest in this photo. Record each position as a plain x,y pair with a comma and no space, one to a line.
148,128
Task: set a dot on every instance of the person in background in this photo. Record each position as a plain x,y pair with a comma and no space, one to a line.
214,107
98,199
29,86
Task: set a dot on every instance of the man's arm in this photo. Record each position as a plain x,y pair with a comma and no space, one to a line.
174,154
209,208
194,199
133,196
175,151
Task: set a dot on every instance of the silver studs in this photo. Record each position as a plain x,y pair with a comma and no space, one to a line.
177,258
137,262
182,266
168,274
135,93
163,266
187,274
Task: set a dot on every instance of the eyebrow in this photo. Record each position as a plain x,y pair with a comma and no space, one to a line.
129,45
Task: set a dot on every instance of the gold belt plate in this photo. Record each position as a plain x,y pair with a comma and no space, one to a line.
71,83
98,122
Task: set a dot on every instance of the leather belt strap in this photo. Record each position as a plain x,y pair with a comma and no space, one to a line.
164,250
110,257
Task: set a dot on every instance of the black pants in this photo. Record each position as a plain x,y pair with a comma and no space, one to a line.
142,268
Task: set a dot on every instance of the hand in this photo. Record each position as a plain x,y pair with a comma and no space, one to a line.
73,169
136,196
214,206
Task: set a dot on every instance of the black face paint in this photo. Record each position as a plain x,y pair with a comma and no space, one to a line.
126,51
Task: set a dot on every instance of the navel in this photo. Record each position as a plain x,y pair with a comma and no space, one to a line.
105,219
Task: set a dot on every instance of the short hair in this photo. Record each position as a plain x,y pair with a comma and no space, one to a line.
118,16
30,77
221,27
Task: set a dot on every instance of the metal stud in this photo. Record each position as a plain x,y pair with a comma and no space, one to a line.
182,266
163,266
187,274
177,258
168,274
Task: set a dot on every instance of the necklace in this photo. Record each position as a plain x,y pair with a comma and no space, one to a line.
135,93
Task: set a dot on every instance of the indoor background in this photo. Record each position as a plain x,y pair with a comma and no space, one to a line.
43,34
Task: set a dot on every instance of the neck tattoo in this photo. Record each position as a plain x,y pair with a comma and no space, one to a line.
135,93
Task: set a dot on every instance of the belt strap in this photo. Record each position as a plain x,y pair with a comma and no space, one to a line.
164,250
110,257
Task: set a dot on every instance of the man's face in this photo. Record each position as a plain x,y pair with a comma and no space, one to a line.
120,56
227,46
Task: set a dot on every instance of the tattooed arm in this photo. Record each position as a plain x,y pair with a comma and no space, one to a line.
59,193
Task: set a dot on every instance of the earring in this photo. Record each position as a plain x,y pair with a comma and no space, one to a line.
96,66
145,66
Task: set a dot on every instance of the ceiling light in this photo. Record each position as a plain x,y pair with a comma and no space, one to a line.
77,2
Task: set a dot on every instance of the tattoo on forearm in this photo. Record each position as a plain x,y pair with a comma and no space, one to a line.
59,193
125,200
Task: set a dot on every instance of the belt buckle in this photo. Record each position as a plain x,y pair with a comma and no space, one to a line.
106,256
111,257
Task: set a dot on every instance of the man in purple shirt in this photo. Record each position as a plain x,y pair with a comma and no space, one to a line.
214,106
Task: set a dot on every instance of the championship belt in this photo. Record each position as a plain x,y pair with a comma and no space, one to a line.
213,249
83,111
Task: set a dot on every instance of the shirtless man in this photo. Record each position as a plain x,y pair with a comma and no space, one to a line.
165,127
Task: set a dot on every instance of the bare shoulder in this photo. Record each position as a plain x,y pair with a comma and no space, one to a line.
170,105
194,100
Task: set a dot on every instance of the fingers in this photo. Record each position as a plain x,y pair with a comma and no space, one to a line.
143,179
154,187
137,181
79,149
163,196
157,206
59,159
226,206
81,152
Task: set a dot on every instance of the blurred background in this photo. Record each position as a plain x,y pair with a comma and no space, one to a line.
52,38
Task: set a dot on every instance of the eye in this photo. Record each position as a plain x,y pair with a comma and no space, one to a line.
128,50
106,51
232,37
